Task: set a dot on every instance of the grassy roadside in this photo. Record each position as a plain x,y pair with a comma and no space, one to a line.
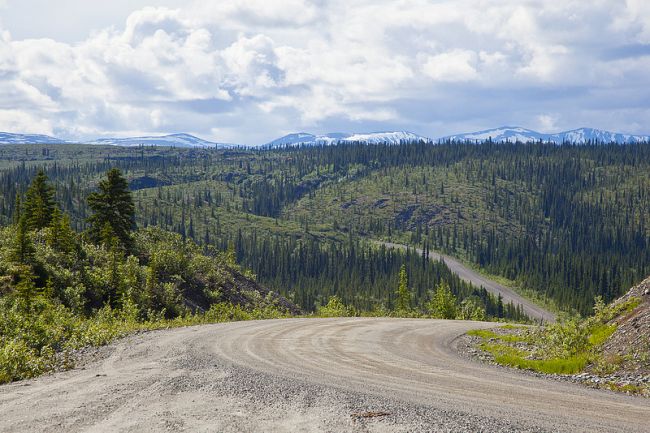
518,350
568,347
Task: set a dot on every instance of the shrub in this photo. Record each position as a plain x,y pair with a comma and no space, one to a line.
334,308
443,303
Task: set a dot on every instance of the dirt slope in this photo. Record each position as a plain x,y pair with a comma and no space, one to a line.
630,343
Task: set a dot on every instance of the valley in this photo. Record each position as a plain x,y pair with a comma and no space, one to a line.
525,212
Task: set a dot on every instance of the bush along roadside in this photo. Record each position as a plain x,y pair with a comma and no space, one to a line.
44,335
441,304
570,349
61,290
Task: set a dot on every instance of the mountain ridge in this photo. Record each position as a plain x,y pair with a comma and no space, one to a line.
499,135
576,136
176,140
305,138
12,138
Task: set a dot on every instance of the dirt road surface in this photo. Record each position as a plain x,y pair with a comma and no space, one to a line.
311,375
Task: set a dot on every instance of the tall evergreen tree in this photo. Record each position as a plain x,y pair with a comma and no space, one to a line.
112,205
23,250
403,301
39,203
18,208
60,235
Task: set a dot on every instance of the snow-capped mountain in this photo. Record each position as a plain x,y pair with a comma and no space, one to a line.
176,140
394,137
506,133
503,134
9,138
576,136
304,138
583,135
300,138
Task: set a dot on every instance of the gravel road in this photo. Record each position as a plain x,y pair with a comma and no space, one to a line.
320,375
533,310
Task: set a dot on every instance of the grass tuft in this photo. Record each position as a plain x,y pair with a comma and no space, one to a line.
600,334
487,334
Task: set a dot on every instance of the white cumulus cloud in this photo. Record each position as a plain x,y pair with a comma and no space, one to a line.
248,70
457,65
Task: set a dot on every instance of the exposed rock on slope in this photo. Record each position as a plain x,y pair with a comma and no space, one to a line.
233,287
241,289
630,343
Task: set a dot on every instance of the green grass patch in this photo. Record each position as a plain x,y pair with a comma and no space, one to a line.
487,334
510,326
482,333
513,357
630,305
600,334
572,365
503,350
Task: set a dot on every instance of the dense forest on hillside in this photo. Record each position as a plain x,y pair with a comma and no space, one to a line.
570,221
567,221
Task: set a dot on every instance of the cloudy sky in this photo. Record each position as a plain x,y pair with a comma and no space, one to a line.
248,71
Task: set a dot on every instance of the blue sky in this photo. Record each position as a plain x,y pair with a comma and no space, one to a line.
248,71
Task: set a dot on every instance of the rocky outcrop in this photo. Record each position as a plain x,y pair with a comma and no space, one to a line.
629,345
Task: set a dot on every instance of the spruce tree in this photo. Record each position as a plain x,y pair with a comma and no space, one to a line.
23,249
39,203
112,205
25,289
500,310
60,235
18,207
403,301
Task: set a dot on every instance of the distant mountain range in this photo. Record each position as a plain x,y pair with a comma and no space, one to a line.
500,135
176,140
577,136
503,134
9,138
304,138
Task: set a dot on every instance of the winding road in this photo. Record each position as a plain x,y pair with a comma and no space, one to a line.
533,310
356,374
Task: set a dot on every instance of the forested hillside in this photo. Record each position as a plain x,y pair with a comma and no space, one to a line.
567,221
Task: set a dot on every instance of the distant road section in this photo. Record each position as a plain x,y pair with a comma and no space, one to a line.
533,310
